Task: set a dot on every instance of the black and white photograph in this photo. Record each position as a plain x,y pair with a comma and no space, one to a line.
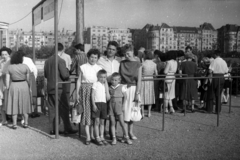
119,79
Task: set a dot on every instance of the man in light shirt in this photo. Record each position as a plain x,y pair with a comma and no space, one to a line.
33,76
218,68
110,62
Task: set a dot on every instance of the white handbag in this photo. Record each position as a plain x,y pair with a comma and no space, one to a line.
136,113
75,117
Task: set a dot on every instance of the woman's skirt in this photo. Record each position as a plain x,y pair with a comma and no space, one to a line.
147,93
129,103
190,90
85,101
170,94
19,100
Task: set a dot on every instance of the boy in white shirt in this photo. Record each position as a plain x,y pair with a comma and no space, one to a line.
99,97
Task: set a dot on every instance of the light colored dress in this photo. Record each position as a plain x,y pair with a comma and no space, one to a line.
129,73
147,87
170,70
19,101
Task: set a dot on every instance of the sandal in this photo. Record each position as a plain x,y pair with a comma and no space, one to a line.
104,142
14,127
99,142
25,125
88,142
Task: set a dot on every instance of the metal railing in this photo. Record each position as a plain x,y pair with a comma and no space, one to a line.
187,78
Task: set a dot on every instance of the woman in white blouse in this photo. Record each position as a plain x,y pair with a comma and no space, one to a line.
87,76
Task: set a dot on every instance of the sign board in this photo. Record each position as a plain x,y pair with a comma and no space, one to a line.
37,15
48,10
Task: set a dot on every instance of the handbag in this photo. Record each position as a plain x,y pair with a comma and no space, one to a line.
77,111
136,112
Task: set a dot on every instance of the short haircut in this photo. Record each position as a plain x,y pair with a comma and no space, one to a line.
188,47
93,51
8,50
100,72
79,46
60,47
17,57
128,47
148,55
116,74
112,43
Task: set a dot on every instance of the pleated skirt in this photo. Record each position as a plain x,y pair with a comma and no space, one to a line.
19,101
147,93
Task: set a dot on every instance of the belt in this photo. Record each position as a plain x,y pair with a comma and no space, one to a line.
18,80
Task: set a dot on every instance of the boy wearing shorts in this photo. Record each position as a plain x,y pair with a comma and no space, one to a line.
118,99
99,106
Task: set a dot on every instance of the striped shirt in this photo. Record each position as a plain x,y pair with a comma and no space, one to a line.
78,60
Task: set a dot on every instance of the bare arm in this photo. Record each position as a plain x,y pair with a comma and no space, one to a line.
7,80
138,88
155,70
78,84
107,91
93,101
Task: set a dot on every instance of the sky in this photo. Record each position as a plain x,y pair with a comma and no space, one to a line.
127,13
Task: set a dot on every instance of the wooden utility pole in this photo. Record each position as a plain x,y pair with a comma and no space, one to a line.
79,21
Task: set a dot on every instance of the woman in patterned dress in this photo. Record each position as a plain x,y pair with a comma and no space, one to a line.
87,76
149,68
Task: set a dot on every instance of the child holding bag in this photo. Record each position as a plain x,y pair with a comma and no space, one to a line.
117,93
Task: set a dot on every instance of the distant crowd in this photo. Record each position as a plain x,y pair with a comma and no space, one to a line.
110,85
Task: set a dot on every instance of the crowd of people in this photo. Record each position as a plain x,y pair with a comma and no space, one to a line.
109,85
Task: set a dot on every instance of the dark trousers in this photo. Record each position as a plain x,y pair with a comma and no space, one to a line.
217,90
63,110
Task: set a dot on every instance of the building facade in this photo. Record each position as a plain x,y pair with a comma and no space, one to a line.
229,38
164,37
99,36
21,38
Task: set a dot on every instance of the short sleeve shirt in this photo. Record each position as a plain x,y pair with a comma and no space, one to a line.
89,72
100,95
218,66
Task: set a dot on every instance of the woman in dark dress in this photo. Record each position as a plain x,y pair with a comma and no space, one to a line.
189,92
19,101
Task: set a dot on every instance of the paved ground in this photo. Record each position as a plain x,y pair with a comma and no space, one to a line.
195,136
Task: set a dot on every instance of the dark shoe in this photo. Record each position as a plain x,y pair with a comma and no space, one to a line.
25,126
53,132
193,110
104,142
183,111
99,142
71,132
14,127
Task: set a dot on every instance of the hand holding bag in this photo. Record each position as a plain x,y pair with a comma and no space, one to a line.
76,112
136,113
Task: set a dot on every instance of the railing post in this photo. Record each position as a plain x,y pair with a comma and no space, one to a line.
230,96
218,102
163,112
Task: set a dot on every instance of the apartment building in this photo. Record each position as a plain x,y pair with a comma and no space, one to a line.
99,36
20,38
164,37
4,34
229,38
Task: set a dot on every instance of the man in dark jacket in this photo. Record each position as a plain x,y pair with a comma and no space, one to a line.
63,75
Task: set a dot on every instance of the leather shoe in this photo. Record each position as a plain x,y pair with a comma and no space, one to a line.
71,132
53,132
